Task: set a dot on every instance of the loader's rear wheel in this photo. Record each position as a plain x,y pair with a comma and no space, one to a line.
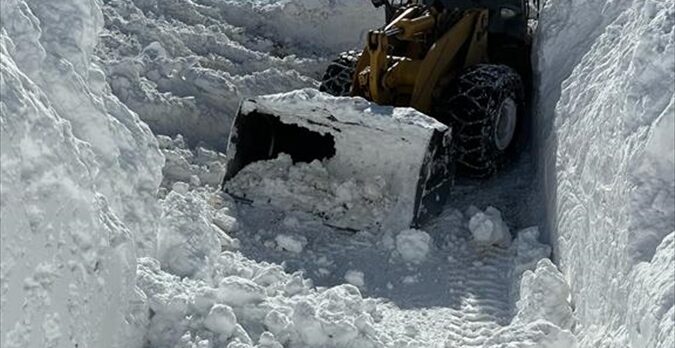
337,80
483,106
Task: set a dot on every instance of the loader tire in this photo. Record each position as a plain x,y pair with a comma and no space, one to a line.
337,80
484,107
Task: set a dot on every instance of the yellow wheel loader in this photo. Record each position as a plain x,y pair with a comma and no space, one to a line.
463,65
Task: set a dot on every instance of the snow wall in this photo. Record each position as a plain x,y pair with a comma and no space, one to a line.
79,178
606,125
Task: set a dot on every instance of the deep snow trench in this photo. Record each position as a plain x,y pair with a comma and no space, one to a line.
114,116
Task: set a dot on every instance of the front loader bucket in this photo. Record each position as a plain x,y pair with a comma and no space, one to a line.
350,141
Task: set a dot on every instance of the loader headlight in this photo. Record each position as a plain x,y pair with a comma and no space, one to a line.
507,13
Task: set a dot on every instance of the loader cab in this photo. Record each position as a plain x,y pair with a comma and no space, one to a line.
507,17
509,27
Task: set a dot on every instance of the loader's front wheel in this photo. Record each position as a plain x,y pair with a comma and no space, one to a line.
483,106
337,80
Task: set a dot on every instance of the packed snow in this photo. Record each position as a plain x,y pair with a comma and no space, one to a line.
114,237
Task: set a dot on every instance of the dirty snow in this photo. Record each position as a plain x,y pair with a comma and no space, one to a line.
101,247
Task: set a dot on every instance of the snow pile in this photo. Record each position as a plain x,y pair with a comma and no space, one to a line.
543,314
488,227
529,251
246,302
184,65
249,303
79,179
544,296
310,187
606,117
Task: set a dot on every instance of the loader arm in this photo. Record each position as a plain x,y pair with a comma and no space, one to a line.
409,80
443,56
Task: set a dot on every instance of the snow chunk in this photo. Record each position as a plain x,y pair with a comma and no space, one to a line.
413,245
221,320
355,278
528,252
544,295
489,228
237,291
291,243
267,340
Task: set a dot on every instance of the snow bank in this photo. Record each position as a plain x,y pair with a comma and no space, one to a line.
605,107
184,65
79,178
312,26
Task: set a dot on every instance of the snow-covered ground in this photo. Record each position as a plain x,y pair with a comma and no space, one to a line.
112,237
